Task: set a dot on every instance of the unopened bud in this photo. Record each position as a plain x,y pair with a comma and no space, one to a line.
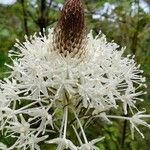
69,34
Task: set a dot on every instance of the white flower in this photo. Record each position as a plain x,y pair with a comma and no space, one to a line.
62,72
42,116
129,98
62,143
26,136
3,146
91,145
31,140
137,120
22,127
42,77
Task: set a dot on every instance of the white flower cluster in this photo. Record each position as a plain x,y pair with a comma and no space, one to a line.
46,92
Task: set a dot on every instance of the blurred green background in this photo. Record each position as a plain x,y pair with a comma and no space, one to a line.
127,22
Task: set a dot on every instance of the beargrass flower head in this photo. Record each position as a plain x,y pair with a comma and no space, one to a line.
64,79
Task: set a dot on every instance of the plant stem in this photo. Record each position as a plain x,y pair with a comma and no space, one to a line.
124,131
25,18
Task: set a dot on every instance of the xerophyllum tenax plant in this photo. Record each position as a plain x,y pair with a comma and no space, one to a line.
61,81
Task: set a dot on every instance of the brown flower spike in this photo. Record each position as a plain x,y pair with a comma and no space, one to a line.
69,34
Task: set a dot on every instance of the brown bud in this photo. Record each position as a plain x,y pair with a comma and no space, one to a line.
69,34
